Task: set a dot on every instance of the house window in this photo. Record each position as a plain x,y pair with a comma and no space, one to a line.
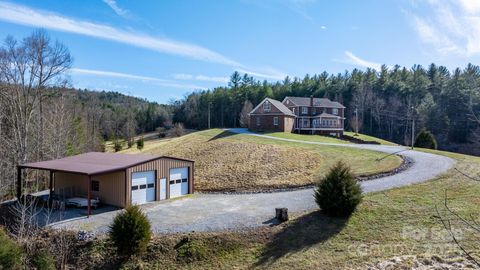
293,110
304,110
258,121
266,106
95,185
314,111
305,123
335,111
275,121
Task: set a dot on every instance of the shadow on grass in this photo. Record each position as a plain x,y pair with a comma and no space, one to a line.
303,233
222,135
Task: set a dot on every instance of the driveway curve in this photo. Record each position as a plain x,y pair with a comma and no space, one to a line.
217,212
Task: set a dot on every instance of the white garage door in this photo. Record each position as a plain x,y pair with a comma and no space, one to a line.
143,187
178,182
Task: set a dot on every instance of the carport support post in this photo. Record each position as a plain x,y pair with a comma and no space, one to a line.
50,196
89,195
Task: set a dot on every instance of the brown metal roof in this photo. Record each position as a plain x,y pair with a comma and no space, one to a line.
317,102
93,163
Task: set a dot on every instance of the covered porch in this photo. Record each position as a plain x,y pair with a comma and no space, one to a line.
75,181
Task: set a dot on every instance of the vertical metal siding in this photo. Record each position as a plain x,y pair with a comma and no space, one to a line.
162,167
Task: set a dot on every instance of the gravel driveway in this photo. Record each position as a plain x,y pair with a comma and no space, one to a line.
216,212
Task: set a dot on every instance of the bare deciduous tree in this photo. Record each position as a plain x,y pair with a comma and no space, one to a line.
246,109
28,71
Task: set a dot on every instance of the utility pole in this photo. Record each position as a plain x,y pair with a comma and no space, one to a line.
209,104
413,127
356,121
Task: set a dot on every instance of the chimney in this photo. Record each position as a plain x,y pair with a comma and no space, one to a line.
311,101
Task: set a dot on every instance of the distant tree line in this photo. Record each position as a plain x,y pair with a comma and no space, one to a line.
447,103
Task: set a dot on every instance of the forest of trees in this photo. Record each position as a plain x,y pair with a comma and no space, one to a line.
447,103
42,118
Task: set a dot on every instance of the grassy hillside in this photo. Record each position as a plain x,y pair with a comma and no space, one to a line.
227,161
387,225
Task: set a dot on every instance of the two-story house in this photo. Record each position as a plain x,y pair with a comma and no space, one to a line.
300,115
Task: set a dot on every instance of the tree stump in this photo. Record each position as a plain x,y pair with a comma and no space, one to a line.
281,214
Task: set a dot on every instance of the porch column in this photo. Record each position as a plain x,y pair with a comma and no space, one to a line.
50,187
19,182
89,197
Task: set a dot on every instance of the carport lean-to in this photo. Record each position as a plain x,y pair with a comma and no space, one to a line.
115,179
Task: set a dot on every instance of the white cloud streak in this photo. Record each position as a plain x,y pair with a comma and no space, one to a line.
357,61
450,27
203,78
118,10
23,15
156,81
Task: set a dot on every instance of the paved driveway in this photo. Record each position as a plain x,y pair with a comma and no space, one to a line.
214,212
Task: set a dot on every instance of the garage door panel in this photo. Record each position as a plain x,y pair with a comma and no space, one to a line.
143,187
178,182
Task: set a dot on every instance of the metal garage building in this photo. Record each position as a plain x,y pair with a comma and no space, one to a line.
116,179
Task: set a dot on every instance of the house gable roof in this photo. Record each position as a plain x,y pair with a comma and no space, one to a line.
277,104
317,102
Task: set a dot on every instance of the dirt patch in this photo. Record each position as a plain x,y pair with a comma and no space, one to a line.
231,166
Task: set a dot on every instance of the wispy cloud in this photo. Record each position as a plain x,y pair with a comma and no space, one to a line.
118,10
270,74
157,81
449,27
357,61
204,78
26,16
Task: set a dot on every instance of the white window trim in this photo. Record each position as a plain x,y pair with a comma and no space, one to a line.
275,121
335,111
266,106
304,110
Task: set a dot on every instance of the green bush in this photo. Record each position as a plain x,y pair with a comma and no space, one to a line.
130,231
338,193
140,143
43,261
425,139
10,252
117,145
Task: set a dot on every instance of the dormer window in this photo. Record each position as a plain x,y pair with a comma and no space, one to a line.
335,111
304,110
266,106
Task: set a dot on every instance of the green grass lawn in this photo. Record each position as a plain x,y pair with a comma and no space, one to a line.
387,224
227,161
325,139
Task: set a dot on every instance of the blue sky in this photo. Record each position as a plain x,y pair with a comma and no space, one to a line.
162,50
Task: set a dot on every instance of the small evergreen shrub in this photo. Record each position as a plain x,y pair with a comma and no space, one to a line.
10,252
338,193
130,231
425,139
140,143
117,145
